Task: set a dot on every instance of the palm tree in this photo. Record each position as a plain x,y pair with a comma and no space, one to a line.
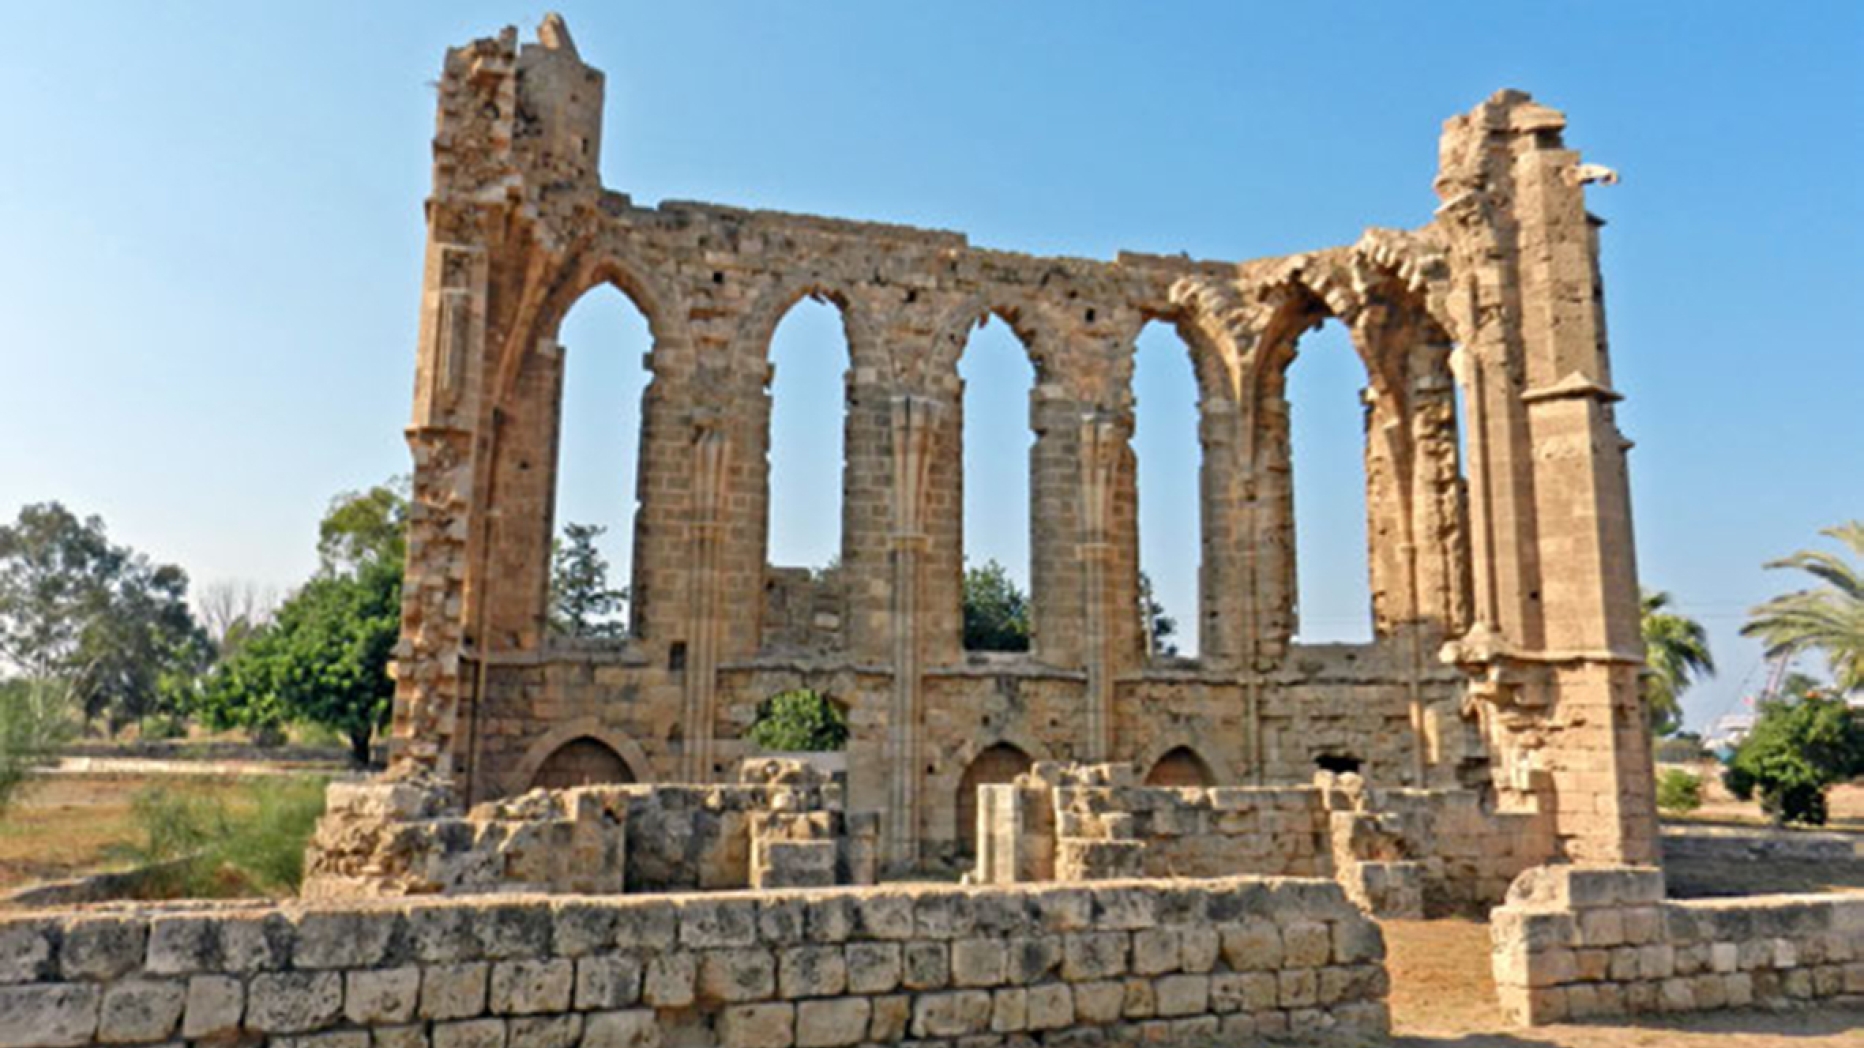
1676,654
1827,618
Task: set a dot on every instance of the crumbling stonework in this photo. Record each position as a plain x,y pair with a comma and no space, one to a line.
782,826
1171,964
1516,566
1593,943
1397,853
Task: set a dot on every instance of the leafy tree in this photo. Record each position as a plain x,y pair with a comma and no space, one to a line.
1160,628
324,657
361,527
1827,618
1799,747
800,721
996,612
1676,655
95,628
32,726
582,604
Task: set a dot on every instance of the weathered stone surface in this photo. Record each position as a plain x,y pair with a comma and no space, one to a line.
48,1015
293,1002
215,1005
382,996
141,1010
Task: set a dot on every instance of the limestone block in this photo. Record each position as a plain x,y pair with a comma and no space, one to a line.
214,1006
1009,1010
140,1010
1306,944
737,975
1297,988
873,967
886,915
954,1014
545,1031
99,948
892,1015
1141,999
634,1028
1155,951
531,987
1094,955
606,982
293,1002
768,1025
1032,959
832,1023
470,1033
1182,994
977,962
1050,1006
453,991
379,997
927,966
1252,944
1200,947
1099,1002
812,971
398,1037
26,950
343,939
670,981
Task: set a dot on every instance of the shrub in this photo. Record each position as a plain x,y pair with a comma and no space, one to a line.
1797,750
800,721
250,844
1679,791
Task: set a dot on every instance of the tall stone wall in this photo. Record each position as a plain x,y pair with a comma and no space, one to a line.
1516,566
1189,963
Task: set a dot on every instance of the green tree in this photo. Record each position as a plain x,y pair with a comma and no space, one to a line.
1800,746
582,603
32,726
996,612
1676,655
1827,618
323,659
1160,628
800,721
95,628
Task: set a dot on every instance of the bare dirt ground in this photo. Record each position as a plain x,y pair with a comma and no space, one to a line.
1443,997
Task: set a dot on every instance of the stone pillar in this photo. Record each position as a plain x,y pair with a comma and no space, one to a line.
710,458
1556,648
1102,443
916,422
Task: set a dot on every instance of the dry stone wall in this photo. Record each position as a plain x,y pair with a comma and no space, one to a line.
1575,943
1182,963
1397,853
1504,607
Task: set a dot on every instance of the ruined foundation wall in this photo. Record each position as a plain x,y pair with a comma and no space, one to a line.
1189,963
1577,944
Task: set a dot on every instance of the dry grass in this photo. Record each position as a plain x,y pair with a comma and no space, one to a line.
66,825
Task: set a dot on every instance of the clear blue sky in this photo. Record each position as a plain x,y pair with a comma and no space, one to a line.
211,242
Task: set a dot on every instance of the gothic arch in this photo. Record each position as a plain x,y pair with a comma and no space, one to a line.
759,327
1042,333
1217,764
636,279
632,756
1181,766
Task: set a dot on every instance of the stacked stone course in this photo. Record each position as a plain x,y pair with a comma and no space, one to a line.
1163,963
1575,943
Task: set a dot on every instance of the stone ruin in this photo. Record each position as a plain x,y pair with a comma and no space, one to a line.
1506,650
554,860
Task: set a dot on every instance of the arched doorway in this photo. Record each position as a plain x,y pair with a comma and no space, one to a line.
1179,768
581,762
996,766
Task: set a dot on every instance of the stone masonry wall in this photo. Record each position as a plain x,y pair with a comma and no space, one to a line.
1184,963
1575,943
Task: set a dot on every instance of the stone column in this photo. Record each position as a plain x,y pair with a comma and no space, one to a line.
1101,445
915,427
710,457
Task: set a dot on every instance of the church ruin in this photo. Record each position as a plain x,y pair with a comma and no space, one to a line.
1505,662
